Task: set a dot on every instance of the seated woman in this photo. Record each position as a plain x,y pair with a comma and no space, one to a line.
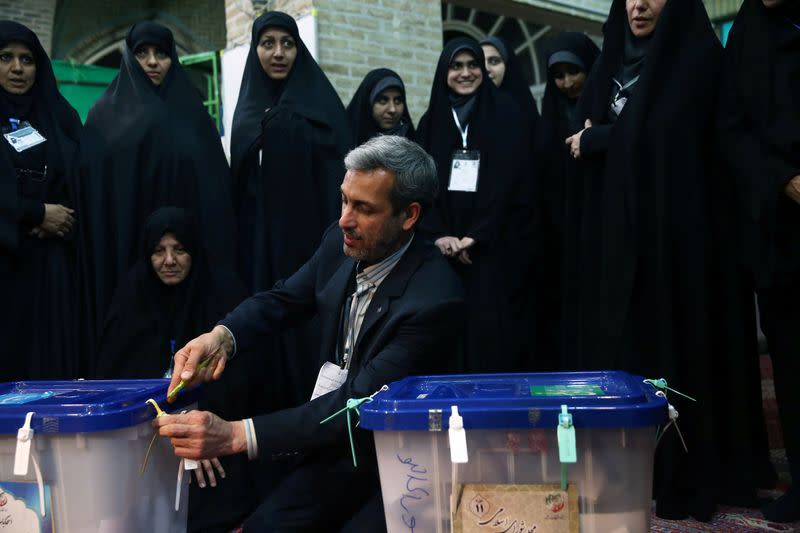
379,107
171,295
40,133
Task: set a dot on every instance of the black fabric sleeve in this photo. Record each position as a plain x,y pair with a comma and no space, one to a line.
595,140
31,212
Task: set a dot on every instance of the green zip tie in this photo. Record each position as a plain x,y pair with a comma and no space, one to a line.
352,405
563,476
661,384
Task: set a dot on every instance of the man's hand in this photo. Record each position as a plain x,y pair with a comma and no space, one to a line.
208,465
449,246
574,141
217,345
58,220
792,189
202,435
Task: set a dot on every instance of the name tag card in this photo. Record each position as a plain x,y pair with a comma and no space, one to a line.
25,137
464,171
330,378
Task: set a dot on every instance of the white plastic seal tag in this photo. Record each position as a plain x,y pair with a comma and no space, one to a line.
567,449
24,440
458,437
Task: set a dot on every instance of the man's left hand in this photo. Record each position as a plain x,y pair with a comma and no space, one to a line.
202,435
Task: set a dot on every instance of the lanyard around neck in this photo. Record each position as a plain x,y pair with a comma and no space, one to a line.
461,130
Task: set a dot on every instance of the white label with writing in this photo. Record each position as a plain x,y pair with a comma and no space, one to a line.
330,378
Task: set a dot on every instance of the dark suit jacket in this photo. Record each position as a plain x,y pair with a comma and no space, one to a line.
413,315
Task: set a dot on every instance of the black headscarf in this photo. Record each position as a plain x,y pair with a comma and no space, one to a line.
144,147
498,131
760,135
360,108
36,276
513,83
652,287
298,129
149,320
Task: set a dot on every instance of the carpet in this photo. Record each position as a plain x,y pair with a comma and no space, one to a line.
736,519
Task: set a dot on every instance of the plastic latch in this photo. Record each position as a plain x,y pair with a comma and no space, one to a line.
458,437
190,464
567,449
23,453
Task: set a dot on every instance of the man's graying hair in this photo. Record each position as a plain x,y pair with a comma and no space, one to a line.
414,170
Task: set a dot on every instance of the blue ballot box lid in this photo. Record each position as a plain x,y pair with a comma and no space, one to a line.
85,406
495,401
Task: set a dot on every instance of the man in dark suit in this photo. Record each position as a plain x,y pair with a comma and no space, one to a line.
389,305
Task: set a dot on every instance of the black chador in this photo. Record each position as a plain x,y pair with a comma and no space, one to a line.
652,287
552,155
759,137
497,135
288,144
144,147
359,110
36,274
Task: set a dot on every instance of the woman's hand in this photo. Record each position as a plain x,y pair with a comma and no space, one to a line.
449,246
574,141
58,221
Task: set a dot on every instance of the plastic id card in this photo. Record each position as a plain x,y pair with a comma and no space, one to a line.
464,171
25,137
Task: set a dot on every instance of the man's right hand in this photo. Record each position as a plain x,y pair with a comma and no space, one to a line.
792,189
216,345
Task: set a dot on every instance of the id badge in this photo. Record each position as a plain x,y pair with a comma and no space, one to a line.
331,377
25,137
619,104
464,171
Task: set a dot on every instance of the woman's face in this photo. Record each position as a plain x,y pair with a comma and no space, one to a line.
154,61
17,68
643,15
170,261
569,79
387,111
495,65
464,75
277,51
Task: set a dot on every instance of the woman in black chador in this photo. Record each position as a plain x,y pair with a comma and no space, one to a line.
289,138
505,72
652,286
37,261
569,61
759,136
379,106
148,142
173,293
480,144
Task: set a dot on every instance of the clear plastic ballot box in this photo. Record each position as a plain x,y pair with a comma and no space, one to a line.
553,452
83,458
